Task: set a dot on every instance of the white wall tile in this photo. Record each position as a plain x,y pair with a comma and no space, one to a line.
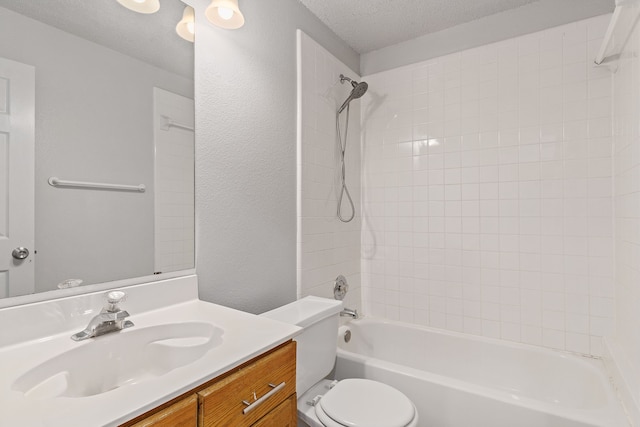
328,247
510,212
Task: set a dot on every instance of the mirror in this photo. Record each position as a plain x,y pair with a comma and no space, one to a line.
113,105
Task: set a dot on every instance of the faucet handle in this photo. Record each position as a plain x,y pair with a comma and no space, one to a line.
114,298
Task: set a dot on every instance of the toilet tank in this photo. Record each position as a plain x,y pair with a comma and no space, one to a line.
316,349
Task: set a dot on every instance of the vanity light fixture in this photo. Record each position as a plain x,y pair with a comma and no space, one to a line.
186,26
141,6
225,14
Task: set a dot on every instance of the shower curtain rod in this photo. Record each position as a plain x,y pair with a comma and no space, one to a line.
600,57
618,31
170,123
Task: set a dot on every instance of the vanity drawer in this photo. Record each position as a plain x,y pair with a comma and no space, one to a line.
285,415
181,414
265,384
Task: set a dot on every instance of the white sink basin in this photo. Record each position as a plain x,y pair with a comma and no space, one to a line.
177,344
114,360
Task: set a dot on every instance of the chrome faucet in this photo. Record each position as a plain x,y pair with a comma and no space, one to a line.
110,319
347,312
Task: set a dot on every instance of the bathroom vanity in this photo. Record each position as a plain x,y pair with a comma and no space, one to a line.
185,362
228,400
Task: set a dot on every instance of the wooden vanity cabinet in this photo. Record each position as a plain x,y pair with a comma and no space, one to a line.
180,414
285,415
247,395
259,393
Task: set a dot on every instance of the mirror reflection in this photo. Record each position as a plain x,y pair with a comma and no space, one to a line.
104,97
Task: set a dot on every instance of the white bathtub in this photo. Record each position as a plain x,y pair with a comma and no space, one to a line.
458,380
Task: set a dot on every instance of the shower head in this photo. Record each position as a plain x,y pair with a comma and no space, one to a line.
358,90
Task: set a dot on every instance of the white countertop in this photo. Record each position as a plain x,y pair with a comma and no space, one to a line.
245,337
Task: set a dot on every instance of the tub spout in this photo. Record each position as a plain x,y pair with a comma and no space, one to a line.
347,312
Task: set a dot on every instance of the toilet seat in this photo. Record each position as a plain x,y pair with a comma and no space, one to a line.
358,402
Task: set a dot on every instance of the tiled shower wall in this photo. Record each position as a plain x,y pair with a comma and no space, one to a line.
174,148
327,247
487,191
626,108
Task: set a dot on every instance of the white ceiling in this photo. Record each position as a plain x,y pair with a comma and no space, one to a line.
365,25
368,25
150,38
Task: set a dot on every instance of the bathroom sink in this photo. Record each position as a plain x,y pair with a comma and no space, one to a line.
115,360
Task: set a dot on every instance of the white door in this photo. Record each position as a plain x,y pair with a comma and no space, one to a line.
17,105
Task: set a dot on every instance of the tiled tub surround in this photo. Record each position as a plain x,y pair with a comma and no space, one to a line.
625,344
487,191
327,247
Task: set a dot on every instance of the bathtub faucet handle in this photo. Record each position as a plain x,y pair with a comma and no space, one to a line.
347,312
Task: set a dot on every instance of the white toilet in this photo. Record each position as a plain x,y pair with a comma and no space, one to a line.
351,402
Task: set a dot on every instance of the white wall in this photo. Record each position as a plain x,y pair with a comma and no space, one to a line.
246,152
626,107
487,191
89,128
327,247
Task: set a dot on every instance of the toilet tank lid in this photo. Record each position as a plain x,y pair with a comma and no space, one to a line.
305,311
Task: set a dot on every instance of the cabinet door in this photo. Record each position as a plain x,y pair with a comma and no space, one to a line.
285,415
247,395
180,414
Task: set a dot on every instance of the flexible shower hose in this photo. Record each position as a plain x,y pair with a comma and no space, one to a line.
343,184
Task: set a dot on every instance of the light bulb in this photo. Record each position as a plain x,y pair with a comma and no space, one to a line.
186,28
141,6
225,13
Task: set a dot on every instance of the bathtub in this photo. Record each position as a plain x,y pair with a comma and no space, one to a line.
458,380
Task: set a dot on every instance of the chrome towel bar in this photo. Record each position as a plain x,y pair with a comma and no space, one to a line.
57,182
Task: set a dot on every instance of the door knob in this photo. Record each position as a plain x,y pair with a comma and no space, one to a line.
20,253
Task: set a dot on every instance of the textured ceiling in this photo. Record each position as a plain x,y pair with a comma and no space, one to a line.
368,25
150,38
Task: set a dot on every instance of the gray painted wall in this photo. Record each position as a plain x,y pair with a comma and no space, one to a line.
501,26
94,122
245,84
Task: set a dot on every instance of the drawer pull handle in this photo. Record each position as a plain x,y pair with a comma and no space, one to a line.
251,406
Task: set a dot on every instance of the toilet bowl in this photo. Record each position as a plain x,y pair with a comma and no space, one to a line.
352,402
356,402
